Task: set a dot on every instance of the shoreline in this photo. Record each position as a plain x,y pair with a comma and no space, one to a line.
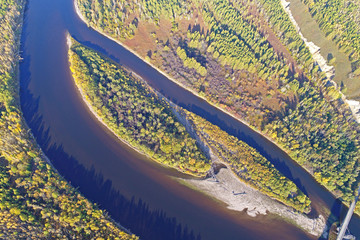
238,196
278,145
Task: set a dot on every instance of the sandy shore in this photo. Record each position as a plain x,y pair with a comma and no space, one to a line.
239,197
228,187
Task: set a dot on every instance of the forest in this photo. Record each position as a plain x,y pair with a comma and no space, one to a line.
35,201
120,98
340,21
243,56
257,67
135,112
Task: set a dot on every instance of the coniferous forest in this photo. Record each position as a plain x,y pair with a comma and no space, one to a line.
134,112
243,56
257,67
100,80
35,201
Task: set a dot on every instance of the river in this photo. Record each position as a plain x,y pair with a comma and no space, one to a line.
143,196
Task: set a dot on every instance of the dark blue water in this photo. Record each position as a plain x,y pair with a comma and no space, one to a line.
138,193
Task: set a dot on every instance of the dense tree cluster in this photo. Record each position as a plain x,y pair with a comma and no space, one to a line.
120,99
285,30
126,14
104,14
135,112
191,62
248,164
172,9
35,202
340,20
246,76
237,43
327,143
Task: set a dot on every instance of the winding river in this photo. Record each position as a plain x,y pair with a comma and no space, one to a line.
143,196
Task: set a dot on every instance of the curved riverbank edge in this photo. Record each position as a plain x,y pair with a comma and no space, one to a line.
44,157
320,60
79,14
32,138
227,184
103,122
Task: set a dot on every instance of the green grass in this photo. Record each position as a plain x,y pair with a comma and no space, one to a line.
313,33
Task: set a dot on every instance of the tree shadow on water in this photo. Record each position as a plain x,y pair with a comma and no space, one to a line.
134,214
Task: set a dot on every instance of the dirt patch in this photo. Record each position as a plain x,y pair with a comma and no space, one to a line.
134,15
164,30
143,41
195,23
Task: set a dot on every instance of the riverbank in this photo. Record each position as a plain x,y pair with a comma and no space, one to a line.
127,139
217,107
78,12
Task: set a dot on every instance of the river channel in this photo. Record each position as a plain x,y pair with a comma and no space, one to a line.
138,193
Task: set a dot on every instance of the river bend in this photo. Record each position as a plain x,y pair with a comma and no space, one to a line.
138,193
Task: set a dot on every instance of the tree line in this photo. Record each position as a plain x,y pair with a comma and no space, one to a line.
130,108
